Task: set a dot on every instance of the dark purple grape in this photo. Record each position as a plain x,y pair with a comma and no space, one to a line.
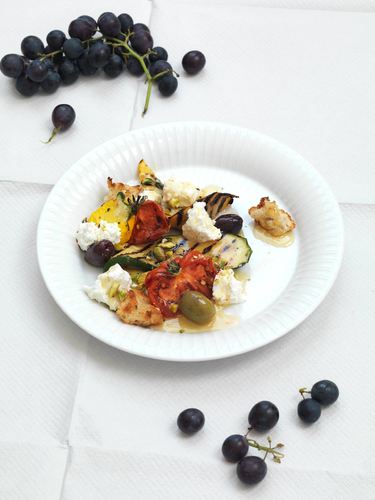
49,63
63,116
126,22
167,85
98,253
99,54
109,24
235,447
141,42
190,421
84,65
140,27
73,48
134,67
114,66
251,470
82,29
32,47
68,71
12,65
51,83
309,410
37,70
91,21
263,416
159,53
56,39
158,67
26,87
325,392
229,223
193,62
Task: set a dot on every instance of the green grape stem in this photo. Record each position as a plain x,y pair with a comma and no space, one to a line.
277,455
55,131
303,391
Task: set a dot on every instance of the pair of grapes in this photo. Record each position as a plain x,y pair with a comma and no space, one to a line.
250,469
111,43
323,393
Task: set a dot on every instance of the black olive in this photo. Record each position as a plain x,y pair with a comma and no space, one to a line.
229,223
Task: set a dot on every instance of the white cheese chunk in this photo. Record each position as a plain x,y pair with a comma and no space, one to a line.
199,227
88,233
179,194
152,194
109,286
227,289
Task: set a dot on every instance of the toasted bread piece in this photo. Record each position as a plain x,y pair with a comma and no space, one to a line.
117,187
270,217
136,309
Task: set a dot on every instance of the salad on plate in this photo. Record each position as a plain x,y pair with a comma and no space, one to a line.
170,250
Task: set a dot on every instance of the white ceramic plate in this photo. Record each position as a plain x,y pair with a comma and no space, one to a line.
286,285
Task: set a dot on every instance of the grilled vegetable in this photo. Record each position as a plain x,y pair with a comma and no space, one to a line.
147,176
230,252
116,210
126,261
215,203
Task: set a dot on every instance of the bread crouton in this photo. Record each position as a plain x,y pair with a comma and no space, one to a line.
136,309
117,187
270,217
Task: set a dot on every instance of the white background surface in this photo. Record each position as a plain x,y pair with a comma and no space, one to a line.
79,420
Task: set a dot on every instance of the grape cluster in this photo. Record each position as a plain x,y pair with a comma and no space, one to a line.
112,44
323,393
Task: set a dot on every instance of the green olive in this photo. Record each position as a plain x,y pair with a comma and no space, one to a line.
197,308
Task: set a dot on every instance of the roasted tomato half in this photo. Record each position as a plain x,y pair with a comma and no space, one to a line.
170,280
150,223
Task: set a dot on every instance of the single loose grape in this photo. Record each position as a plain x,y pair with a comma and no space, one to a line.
263,416
190,421
193,62
63,117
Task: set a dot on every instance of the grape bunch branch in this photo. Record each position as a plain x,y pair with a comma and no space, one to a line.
112,44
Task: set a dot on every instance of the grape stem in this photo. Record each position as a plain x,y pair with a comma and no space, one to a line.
277,455
50,54
55,131
303,391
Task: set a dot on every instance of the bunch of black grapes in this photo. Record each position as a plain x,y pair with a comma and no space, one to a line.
111,44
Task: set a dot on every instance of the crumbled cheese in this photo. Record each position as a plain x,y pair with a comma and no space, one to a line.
88,233
179,194
109,285
199,227
152,194
227,289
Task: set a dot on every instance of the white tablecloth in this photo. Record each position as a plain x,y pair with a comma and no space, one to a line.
82,421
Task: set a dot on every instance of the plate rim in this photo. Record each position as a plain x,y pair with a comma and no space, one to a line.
206,124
